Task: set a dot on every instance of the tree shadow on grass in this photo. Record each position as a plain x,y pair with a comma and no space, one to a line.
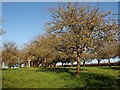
90,80
71,71
57,70
4,68
113,68
96,82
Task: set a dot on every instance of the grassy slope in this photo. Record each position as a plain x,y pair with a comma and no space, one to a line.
90,77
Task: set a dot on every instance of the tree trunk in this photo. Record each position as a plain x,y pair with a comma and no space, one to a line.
9,65
109,63
72,63
98,62
38,63
62,63
78,65
84,63
44,62
20,65
54,65
34,64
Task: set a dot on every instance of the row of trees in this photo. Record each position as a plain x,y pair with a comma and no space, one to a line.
76,33
42,52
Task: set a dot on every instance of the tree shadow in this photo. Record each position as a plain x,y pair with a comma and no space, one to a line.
4,68
113,68
69,70
96,82
58,70
91,80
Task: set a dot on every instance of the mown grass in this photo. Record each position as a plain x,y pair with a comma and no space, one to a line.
89,78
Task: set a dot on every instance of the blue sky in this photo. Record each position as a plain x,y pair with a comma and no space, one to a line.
60,0
22,21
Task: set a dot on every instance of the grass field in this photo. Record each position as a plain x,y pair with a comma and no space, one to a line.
90,78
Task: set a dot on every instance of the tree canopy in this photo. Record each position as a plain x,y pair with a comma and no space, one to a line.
82,28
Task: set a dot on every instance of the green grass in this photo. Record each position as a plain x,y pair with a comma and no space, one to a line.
89,78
